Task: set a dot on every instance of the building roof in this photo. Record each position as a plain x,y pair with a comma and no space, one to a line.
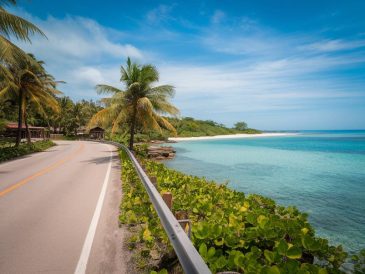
97,129
13,125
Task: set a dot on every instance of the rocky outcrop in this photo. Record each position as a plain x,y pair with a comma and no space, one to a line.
161,152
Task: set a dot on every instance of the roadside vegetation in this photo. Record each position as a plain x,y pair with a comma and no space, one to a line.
8,151
231,231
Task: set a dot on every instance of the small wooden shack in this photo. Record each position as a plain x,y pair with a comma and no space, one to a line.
11,130
96,133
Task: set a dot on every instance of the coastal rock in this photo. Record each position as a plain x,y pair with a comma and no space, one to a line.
157,142
161,152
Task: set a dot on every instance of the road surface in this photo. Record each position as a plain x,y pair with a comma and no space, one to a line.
59,211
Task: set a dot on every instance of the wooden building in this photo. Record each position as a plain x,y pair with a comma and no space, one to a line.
96,133
11,130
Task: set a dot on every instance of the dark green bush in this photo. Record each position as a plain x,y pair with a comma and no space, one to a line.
10,152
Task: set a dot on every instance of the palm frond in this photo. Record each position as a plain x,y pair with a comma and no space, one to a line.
4,91
163,90
14,25
107,89
165,107
122,117
166,124
149,74
101,117
15,56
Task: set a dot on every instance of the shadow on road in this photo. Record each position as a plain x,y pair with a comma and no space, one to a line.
102,160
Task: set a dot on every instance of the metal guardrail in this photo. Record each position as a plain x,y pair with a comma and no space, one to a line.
189,257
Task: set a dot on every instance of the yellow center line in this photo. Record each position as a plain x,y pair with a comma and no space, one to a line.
41,172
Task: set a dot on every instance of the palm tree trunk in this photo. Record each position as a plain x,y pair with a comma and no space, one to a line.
29,140
133,124
20,118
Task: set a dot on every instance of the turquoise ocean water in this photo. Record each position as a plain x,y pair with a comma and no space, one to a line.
321,173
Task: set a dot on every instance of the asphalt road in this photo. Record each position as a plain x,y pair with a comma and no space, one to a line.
59,211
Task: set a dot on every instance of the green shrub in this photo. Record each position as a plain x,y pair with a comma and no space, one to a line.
359,262
10,152
232,232
141,150
190,127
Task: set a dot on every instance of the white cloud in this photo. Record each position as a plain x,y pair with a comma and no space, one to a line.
78,37
159,14
90,75
334,45
244,36
283,84
81,52
218,16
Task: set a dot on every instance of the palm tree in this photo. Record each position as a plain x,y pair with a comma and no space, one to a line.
10,54
20,28
30,84
140,103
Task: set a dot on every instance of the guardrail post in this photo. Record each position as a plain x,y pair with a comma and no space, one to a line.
181,214
183,219
167,197
154,180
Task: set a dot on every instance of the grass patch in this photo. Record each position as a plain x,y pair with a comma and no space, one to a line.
6,142
9,151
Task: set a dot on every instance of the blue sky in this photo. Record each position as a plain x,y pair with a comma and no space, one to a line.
273,64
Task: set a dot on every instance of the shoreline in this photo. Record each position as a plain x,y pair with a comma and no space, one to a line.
232,136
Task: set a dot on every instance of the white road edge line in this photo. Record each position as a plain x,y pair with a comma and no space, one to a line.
86,249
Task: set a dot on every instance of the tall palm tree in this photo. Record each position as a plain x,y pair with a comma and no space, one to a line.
30,84
10,54
141,103
21,29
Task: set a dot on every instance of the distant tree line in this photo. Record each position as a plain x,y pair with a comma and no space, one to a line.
70,117
190,127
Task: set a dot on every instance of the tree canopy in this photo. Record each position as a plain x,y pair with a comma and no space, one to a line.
240,126
139,105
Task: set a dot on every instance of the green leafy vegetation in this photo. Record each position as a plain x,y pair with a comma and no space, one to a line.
190,127
140,105
9,151
30,85
71,117
240,126
28,93
12,26
22,77
185,127
232,231
359,262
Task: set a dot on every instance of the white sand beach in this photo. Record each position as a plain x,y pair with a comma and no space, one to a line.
232,136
